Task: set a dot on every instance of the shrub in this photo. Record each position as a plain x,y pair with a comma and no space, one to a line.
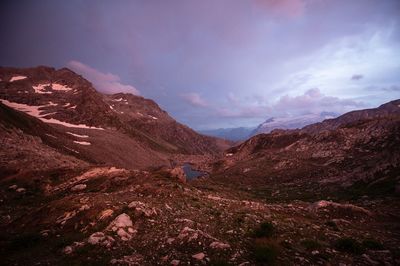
25,240
372,244
266,229
266,252
310,244
348,245
333,225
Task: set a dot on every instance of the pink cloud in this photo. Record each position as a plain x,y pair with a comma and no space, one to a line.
103,82
286,8
313,101
194,99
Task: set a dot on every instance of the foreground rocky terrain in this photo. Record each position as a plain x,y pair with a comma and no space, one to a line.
106,187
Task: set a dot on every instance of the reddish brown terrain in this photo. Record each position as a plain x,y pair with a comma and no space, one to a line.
93,179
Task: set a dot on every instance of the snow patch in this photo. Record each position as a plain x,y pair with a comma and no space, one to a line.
40,88
118,100
82,142
15,78
153,117
34,111
60,87
67,104
77,135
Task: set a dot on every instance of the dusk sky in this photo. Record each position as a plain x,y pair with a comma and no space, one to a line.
217,63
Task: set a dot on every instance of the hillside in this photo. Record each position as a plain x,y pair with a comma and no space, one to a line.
122,129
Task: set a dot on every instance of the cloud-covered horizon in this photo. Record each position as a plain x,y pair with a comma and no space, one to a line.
213,64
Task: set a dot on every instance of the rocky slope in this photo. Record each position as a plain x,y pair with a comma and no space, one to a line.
359,151
73,190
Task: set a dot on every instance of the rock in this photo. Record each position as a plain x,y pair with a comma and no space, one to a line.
322,204
99,238
125,236
175,262
45,233
20,190
79,187
123,220
84,207
96,238
67,250
14,187
188,233
219,245
199,256
142,209
106,214
315,252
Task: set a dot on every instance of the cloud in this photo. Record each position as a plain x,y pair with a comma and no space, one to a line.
194,99
357,77
313,101
103,82
286,8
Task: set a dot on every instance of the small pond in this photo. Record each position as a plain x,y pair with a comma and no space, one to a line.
191,173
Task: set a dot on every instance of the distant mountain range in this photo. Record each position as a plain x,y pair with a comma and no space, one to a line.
293,122
233,134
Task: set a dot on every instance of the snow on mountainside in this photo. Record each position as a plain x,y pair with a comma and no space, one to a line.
134,130
291,122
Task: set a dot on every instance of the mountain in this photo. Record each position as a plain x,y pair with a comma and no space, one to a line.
291,122
120,129
358,151
233,134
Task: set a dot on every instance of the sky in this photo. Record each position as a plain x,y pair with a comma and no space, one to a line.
217,63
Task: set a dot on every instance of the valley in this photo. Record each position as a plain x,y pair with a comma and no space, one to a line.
96,179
